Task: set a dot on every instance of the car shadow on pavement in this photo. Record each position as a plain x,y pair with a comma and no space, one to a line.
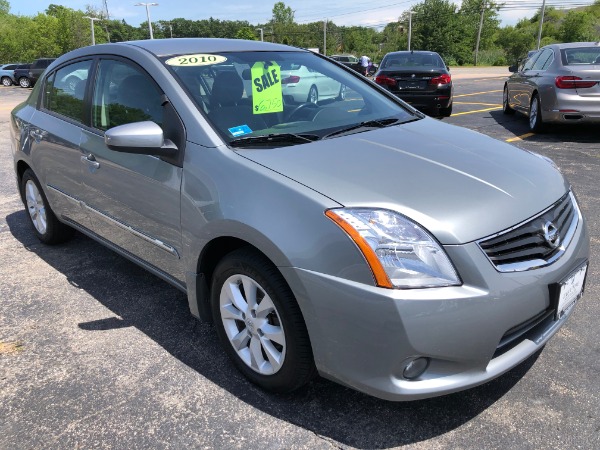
517,125
139,299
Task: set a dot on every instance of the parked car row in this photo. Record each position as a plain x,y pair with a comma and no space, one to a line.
25,75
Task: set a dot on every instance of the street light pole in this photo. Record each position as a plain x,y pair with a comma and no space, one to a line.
539,39
261,34
92,19
410,13
148,15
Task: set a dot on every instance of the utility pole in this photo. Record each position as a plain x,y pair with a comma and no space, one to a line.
410,13
479,31
325,37
171,30
92,20
148,15
541,23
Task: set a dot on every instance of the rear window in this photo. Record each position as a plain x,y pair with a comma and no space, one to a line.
580,56
412,60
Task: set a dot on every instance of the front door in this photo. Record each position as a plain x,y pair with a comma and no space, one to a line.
132,200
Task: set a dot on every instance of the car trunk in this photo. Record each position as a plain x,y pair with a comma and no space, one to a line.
591,74
412,80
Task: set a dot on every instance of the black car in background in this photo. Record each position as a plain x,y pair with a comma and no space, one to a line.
37,67
420,78
354,63
21,75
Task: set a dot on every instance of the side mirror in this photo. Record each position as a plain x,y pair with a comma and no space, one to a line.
512,69
144,138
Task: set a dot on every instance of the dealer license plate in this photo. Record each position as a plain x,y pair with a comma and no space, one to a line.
571,289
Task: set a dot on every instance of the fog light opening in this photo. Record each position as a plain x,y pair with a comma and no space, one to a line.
414,368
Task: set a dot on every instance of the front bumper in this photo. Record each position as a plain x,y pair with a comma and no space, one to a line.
362,336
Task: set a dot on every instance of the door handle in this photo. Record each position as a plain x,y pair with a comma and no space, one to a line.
90,160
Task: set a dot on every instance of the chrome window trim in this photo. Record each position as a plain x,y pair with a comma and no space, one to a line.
537,263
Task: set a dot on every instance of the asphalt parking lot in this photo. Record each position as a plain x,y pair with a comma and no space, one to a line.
96,352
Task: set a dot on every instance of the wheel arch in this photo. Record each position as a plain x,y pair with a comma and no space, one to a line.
21,167
199,283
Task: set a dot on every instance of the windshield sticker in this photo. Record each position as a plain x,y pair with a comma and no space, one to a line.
195,60
267,95
240,131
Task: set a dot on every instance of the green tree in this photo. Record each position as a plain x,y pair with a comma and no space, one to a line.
4,7
578,26
246,33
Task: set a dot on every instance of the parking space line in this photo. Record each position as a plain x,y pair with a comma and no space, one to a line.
477,93
496,108
490,78
520,138
474,103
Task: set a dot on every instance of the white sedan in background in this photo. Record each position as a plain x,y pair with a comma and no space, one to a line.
303,85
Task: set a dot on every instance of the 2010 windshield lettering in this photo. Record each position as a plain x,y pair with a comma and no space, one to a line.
195,60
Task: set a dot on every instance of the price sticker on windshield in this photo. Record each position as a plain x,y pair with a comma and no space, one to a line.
267,96
195,60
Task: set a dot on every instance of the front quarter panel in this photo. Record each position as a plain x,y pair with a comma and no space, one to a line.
227,195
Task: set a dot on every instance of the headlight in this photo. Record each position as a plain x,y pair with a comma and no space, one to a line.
400,253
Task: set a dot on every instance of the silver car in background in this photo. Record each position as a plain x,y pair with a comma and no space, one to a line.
351,237
559,84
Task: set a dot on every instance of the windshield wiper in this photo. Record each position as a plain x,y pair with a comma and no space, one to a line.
367,125
274,139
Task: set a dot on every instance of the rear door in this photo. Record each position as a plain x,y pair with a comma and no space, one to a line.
55,135
133,200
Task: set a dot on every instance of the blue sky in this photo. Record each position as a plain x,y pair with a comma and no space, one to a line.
341,12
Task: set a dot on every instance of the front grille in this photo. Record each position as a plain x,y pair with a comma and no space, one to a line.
536,243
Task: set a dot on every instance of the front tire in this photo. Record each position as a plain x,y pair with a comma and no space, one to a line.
259,322
24,82
535,114
6,81
46,226
506,109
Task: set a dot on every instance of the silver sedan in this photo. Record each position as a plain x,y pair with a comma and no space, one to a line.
559,84
355,238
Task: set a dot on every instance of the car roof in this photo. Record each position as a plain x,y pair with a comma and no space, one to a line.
165,47
573,45
409,52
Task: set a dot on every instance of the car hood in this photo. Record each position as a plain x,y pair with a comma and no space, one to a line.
459,184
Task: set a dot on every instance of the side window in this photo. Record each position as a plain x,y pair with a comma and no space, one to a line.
65,89
124,94
542,60
529,63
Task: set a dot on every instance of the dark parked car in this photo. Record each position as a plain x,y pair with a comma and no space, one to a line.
36,69
21,75
420,78
353,62
7,74
352,237
559,84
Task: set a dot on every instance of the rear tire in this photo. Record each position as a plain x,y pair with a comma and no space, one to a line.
24,82
506,109
446,112
313,95
259,322
46,226
6,81
535,115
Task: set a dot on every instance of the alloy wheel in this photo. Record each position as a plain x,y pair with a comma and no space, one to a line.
252,324
36,207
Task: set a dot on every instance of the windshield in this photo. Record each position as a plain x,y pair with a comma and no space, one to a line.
297,94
